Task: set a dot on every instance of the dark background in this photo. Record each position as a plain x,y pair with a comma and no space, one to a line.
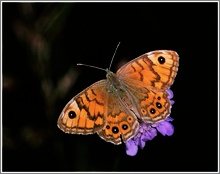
43,42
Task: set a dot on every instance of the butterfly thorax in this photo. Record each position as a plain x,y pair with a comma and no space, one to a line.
113,80
117,87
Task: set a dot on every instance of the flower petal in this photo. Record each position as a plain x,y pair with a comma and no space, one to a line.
169,118
150,134
153,133
165,128
131,148
172,102
170,93
142,142
170,96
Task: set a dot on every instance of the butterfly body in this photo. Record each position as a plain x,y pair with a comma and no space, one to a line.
113,108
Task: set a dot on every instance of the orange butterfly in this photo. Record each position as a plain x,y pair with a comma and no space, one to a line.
114,107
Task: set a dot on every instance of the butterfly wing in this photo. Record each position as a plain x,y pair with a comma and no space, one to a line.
85,113
121,123
146,79
96,109
156,70
149,106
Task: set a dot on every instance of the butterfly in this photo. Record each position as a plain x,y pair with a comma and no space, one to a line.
113,108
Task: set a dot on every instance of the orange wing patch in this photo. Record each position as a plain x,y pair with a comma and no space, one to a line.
84,114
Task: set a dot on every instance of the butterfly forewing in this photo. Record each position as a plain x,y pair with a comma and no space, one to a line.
156,69
85,113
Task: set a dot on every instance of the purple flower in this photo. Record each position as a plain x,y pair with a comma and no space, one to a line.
170,96
165,127
147,131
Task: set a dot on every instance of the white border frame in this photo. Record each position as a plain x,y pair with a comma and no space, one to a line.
105,1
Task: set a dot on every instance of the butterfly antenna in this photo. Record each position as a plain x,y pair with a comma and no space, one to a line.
91,66
114,55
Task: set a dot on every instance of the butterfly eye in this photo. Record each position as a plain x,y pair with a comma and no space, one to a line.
161,60
159,106
72,114
115,130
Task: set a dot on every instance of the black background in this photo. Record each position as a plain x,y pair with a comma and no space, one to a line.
88,33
